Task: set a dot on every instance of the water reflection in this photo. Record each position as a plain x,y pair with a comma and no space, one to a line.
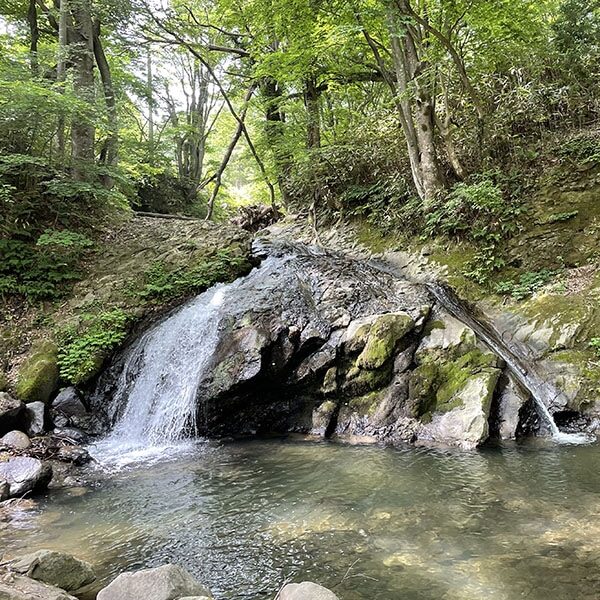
371,523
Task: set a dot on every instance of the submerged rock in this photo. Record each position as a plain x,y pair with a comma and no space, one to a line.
306,591
55,568
169,582
25,475
18,587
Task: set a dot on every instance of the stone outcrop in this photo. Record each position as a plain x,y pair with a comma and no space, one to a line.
320,343
169,582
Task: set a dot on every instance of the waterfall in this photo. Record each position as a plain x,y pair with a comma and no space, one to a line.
158,382
522,371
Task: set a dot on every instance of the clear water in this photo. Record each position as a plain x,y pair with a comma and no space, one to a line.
371,523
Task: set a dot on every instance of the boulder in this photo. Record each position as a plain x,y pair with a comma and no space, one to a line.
35,416
25,475
69,403
169,582
18,587
11,412
55,568
16,440
38,377
306,591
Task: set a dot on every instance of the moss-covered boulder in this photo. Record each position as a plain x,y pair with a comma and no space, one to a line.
383,337
38,376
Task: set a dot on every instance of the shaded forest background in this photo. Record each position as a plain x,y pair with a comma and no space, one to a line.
430,118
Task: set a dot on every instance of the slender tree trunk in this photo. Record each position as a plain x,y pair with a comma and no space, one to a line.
218,177
311,101
61,71
82,54
34,32
150,93
109,153
275,120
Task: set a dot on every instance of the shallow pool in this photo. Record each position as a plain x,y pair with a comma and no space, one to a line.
370,523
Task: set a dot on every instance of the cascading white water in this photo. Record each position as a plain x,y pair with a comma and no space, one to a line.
158,384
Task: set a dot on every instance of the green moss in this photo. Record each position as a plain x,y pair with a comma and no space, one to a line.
454,376
365,405
383,337
38,377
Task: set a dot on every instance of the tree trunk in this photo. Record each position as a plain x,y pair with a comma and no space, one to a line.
150,93
275,120
32,19
218,177
82,55
61,70
311,101
109,153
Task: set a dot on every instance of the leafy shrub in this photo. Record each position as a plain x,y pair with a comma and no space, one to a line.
477,212
82,349
595,345
42,270
526,285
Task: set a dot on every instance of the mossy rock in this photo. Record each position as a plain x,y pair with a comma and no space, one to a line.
38,376
436,386
383,337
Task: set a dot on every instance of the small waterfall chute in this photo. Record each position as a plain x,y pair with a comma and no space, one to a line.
157,387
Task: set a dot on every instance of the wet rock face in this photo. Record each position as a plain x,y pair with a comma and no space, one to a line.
319,343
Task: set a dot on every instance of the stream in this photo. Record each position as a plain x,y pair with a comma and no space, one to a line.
500,523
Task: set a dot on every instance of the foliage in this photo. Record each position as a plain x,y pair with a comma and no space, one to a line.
526,284
161,283
595,345
42,270
83,347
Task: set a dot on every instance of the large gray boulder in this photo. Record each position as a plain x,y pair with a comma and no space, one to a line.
55,568
169,582
16,440
25,475
18,587
11,412
306,591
